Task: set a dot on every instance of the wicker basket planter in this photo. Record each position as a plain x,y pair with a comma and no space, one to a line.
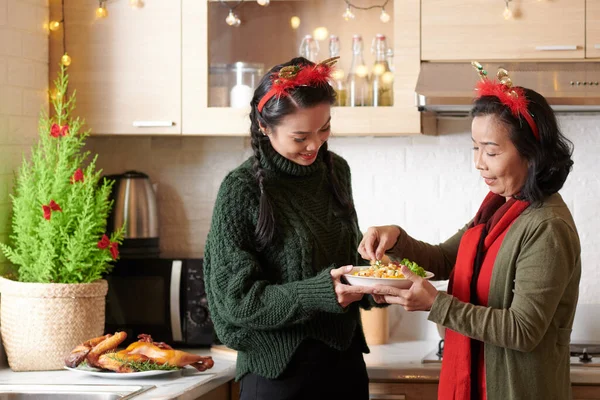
42,322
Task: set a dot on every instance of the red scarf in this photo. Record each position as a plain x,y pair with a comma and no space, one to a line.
463,357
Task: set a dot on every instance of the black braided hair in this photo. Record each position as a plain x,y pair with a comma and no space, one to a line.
273,112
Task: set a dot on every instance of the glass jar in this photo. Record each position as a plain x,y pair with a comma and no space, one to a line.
232,85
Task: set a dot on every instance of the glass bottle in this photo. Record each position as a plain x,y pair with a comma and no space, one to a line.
389,56
337,76
358,76
383,78
309,48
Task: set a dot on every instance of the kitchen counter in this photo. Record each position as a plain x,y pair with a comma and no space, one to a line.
186,384
401,362
395,362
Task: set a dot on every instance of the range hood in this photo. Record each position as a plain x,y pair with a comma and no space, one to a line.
446,88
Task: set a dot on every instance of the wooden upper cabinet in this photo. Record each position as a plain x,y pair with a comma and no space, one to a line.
126,67
592,27
476,30
166,68
266,38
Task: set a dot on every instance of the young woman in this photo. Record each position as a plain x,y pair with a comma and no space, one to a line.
282,222
514,269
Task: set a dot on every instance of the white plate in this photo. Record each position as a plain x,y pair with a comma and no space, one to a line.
86,370
400,283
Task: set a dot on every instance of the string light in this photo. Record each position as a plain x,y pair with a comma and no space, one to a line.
263,3
295,22
232,18
348,15
507,14
320,33
384,17
54,25
65,60
101,11
136,3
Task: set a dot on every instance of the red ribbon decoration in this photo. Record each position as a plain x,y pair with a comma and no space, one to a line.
113,247
47,209
114,250
57,130
512,97
77,176
294,76
104,242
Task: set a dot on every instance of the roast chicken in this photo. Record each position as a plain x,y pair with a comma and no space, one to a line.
101,353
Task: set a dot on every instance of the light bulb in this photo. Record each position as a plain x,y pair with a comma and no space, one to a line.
338,74
378,69
384,17
101,12
231,18
136,3
295,22
348,15
320,33
507,13
238,22
65,60
54,25
362,71
263,2
387,77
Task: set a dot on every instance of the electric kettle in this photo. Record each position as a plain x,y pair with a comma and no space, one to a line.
134,207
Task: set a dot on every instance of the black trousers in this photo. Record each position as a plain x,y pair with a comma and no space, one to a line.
316,372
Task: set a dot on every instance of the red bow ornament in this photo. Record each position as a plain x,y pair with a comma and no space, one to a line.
113,247
57,130
52,206
77,176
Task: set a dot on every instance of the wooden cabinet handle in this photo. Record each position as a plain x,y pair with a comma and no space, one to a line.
152,124
555,48
387,397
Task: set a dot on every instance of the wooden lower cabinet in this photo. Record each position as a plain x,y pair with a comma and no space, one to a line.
586,392
227,391
393,391
428,391
402,391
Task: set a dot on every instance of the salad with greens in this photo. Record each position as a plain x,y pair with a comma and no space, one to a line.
413,266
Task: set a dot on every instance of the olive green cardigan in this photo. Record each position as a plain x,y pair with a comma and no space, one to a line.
527,325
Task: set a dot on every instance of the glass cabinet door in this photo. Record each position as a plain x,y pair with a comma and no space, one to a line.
229,45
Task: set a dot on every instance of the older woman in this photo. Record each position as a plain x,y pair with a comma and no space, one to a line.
514,269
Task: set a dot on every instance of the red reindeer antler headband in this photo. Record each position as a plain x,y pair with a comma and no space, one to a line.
298,75
512,97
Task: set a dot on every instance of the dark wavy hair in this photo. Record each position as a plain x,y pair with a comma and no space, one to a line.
271,116
549,159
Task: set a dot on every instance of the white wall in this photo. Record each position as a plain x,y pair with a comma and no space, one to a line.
23,88
427,184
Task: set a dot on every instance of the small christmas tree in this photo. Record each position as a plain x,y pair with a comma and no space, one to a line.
60,208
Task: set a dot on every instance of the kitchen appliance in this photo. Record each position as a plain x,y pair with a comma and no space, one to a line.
582,355
161,297
447,88
135,207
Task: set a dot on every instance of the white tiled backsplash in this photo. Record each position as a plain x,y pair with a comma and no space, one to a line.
427,184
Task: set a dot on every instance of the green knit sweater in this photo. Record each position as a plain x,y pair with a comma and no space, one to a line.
264,303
